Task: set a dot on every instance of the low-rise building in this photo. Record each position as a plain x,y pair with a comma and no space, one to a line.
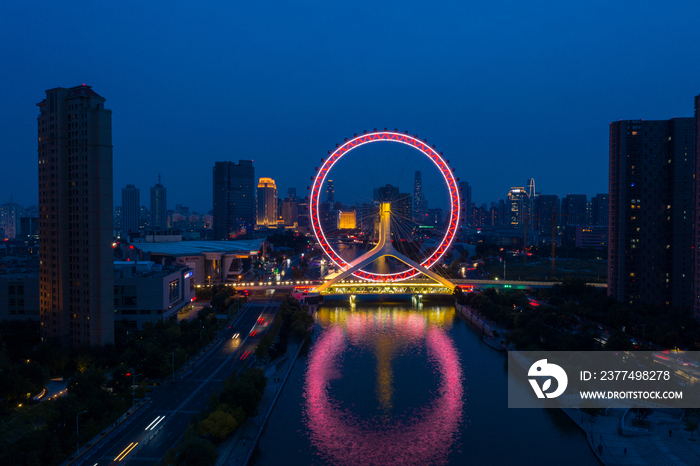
148,292
592,237
19,296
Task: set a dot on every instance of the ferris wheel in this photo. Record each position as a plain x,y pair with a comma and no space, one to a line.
423,150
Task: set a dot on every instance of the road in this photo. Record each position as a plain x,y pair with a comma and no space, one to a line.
159,426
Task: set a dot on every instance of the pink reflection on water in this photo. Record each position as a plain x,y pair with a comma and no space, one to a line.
343,438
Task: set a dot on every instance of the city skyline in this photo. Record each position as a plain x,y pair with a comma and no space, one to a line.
474,51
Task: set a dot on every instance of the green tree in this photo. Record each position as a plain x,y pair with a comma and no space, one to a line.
194,452
219,424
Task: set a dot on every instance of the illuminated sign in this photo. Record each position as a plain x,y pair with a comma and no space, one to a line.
189,274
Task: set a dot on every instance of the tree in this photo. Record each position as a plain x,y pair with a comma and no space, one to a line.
219,424
691,426
195,452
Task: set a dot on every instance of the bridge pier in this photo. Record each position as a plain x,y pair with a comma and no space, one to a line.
417,301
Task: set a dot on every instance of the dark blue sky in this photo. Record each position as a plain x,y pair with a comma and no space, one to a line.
506,89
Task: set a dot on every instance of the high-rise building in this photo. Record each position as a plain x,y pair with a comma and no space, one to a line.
267,202
75,217
290,211
516,202
131,206
144,218
292,193
696,222
234,199
420,205
651,211
10,214
30,228
159,206
547,210
400,202
465,197
573,209
529,204
330,192
599,210
346,220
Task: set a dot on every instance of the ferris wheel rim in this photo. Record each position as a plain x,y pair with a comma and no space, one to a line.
389,136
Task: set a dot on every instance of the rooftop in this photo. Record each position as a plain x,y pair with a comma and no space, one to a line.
184,248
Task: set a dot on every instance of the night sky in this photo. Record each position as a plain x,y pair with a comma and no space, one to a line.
506,89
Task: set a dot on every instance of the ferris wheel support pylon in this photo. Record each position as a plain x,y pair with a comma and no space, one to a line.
383,248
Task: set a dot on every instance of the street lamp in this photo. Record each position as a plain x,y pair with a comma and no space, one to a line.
77,430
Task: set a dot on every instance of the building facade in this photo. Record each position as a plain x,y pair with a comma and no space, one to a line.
131,206
75,217
696,222
330,192
599,210
234,199
347,220
267,202
10,215
159,206
147,292
516,202
573,210
651,211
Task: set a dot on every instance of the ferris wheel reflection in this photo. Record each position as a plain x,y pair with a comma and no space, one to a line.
425,436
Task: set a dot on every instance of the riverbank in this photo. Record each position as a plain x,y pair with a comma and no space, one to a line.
237,449
611,437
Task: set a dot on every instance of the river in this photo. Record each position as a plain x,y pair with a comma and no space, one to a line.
383,383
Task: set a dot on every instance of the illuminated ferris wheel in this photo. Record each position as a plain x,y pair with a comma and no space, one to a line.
424,151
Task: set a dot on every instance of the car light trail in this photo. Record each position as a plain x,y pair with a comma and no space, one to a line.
126,451
252,334
155,422
245,355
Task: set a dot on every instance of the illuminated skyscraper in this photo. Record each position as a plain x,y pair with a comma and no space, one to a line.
267,202
75,217
516,203
159,197
346,220
651,211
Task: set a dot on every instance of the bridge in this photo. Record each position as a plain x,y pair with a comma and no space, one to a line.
406,287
